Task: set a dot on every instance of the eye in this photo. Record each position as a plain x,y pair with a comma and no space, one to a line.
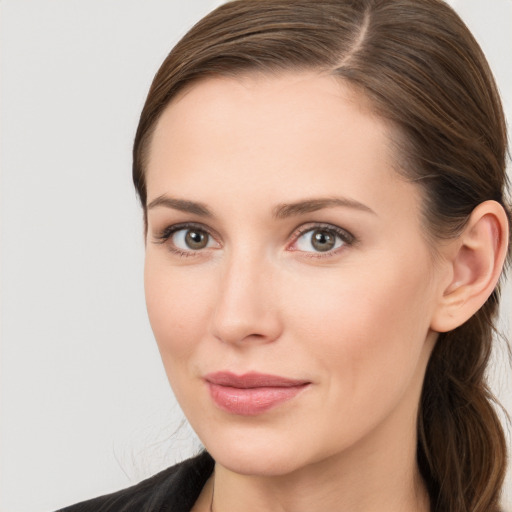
191,239
185,239
321,239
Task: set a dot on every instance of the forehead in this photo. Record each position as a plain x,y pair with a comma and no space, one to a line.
305,131
261,99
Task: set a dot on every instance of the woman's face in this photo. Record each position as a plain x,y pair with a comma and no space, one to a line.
288,282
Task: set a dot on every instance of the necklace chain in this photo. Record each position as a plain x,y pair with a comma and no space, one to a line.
213,493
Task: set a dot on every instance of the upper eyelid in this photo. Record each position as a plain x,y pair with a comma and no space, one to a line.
170,229
311,226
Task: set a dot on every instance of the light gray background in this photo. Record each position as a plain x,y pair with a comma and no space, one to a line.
85,404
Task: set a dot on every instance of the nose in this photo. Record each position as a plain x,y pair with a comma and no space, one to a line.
246,310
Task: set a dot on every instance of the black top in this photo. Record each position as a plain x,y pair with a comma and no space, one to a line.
175,489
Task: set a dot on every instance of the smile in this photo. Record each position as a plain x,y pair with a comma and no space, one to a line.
252,393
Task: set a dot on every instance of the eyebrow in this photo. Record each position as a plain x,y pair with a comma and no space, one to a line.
182,205
283,211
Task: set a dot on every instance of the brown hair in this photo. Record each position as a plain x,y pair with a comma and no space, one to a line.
424,73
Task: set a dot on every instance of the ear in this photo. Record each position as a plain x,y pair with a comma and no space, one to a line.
475,260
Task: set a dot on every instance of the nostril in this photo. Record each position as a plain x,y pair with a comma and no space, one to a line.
246,327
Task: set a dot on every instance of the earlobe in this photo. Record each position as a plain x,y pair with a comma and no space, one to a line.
476,261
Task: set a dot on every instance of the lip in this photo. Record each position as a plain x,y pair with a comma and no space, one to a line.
251,393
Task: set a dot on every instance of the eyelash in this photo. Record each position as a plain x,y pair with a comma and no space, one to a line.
346,238
164,236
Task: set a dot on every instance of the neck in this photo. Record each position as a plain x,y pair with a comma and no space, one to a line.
311,495
365,478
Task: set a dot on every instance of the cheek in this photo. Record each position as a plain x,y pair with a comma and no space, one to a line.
366,326
178,304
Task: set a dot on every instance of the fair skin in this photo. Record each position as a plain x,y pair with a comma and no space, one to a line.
236,283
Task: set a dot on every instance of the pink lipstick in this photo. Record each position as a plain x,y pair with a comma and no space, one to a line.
252,393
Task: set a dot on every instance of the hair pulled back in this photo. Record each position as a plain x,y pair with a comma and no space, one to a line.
424,73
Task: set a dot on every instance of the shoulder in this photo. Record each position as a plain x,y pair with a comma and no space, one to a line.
173,490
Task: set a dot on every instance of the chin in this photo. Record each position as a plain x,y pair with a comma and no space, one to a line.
258,463
258,452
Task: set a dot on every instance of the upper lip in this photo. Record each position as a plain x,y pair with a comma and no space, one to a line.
252,380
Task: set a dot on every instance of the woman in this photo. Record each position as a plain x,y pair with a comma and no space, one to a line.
323,186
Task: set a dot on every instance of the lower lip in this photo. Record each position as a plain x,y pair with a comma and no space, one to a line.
252,401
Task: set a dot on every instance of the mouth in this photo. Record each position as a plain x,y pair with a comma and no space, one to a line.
252,393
